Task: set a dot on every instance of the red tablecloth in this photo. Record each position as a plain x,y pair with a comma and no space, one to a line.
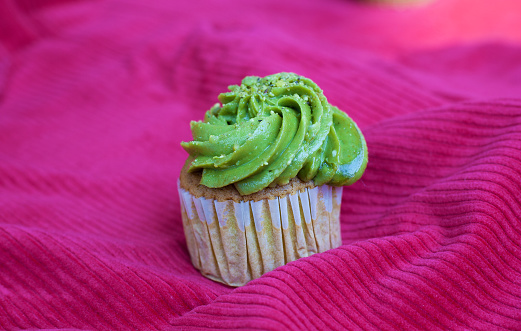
95,97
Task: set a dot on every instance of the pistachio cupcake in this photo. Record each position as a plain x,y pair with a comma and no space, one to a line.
262,185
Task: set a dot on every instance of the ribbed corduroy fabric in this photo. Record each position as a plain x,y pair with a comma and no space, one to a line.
95,97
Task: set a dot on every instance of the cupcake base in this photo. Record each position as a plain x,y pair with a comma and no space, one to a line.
233,242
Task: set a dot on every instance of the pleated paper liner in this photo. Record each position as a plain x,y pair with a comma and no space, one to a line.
235,242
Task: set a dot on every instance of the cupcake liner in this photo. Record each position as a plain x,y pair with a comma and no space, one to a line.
235,242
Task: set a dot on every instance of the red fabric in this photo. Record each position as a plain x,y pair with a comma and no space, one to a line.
95,97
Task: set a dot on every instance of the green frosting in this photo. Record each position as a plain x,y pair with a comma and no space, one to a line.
271,129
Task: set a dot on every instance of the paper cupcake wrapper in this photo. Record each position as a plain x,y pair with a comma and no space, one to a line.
235,242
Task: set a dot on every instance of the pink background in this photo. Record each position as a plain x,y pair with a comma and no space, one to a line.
95,97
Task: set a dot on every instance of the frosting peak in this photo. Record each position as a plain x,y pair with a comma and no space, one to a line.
269,130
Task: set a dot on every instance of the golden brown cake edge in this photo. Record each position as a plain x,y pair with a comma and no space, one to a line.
190,182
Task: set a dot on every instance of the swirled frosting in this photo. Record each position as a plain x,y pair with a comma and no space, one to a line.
269,130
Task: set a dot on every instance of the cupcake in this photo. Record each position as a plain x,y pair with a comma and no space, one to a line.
262,185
